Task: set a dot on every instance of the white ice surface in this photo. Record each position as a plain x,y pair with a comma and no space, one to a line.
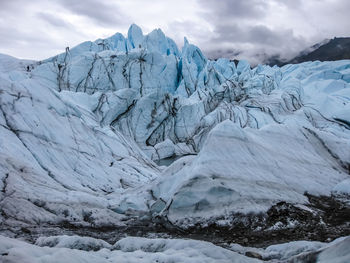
126,250
337,253
136,249
248,170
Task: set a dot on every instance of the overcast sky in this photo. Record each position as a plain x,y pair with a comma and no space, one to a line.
248,29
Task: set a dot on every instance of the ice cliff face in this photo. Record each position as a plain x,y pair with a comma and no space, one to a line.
79,131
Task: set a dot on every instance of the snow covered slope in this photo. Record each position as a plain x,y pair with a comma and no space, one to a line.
79,133
57,163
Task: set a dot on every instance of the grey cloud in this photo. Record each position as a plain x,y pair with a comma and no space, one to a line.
53,20
223,53
238,32
234,40
12,36
295,4
8,6
257,34
18,43
102,12
250,29
223,9
264,35
193,31
23,33
12,9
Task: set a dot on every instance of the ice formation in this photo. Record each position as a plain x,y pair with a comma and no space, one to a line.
81,134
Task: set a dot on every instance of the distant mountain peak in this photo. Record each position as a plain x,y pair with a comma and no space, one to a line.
334,49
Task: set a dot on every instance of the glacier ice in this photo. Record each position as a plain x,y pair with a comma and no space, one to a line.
248,171
81,134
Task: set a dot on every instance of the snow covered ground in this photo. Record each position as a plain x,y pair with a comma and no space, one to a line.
132,249
126,250
80,133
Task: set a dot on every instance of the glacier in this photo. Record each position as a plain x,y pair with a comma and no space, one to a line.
84,134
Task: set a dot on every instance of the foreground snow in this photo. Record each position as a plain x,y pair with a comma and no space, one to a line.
133,249
126,250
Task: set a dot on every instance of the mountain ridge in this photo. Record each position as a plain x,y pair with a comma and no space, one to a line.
334,49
